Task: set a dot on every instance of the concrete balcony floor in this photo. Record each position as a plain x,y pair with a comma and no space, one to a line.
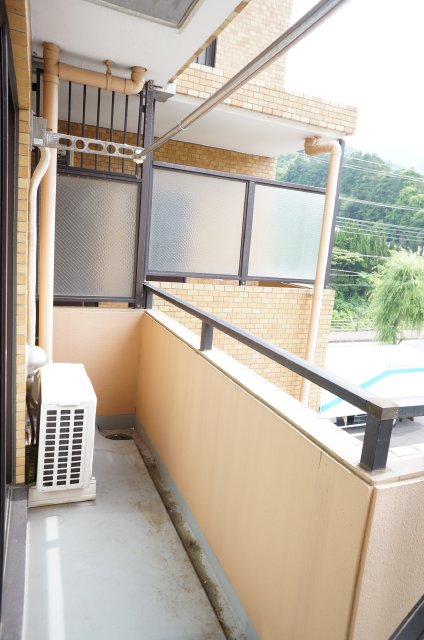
116,568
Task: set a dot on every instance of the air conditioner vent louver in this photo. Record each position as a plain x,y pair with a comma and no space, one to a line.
67,425
64,444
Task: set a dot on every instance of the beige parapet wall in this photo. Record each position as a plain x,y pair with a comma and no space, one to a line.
106,341
392,572
284,519
316,549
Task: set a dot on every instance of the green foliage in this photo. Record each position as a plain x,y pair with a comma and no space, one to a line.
397,301
365,177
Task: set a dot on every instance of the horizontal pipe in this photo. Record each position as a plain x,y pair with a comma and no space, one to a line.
53,67
104,80
294,34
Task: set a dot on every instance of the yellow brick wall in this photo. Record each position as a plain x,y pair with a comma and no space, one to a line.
194,155
257,26
277,314
19,24
260,97
197,155
254,27
240,7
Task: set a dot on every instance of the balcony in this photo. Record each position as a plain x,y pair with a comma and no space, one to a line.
296,538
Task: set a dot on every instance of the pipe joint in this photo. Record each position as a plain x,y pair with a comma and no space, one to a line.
314,148
51,62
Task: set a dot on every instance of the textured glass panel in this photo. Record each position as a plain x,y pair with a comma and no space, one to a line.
196,223
285,234
95,237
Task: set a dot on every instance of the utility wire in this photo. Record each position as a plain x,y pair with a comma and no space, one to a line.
376,223
382,204
372,171
362,255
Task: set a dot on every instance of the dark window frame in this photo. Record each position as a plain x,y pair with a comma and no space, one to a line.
8,176
208,56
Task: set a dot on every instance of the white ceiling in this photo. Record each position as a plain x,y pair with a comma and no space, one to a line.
89,33
240,130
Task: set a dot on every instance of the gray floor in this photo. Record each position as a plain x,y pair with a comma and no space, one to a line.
407,437
116,569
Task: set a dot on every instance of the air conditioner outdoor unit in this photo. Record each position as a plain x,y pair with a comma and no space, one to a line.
66,436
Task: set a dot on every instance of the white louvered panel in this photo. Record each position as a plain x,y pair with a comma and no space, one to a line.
66,434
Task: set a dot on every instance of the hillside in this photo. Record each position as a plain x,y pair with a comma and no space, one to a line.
381,210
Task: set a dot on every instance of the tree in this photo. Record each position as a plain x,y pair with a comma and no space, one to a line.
397,301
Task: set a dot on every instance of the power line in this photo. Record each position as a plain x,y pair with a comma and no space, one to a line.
333,271
372,171
382,204
354,285
348,275
407,233
376,223
363,233
362,255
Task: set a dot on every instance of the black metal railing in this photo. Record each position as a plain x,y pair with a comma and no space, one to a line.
381,413
412,626
99,114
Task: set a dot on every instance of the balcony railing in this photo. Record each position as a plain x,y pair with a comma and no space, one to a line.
381,413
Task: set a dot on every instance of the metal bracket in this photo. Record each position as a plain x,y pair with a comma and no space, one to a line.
64,142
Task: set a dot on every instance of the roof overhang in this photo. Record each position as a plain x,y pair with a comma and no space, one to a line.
236,129
90,32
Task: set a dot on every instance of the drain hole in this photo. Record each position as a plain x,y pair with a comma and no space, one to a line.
118,436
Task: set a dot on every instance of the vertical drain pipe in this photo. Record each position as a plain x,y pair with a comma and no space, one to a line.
53,70
312,148
37,176
48,203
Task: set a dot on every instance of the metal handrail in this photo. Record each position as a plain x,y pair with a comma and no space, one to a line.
382,413
294,34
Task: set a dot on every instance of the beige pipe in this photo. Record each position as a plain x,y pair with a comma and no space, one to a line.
53,71
312,148
48,203
93,78
104,80
37,176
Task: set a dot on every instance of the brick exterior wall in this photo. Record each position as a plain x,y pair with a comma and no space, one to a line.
19,24
277,314
271,100
194,155
197,155
239,8
256,27
257,24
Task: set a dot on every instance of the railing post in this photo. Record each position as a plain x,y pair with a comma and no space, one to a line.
247,232
378,432
145,198
148,300
206,337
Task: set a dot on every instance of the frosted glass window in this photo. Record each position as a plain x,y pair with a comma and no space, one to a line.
285,233
95,237
196,223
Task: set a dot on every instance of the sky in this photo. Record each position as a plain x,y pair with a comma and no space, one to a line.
369,54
